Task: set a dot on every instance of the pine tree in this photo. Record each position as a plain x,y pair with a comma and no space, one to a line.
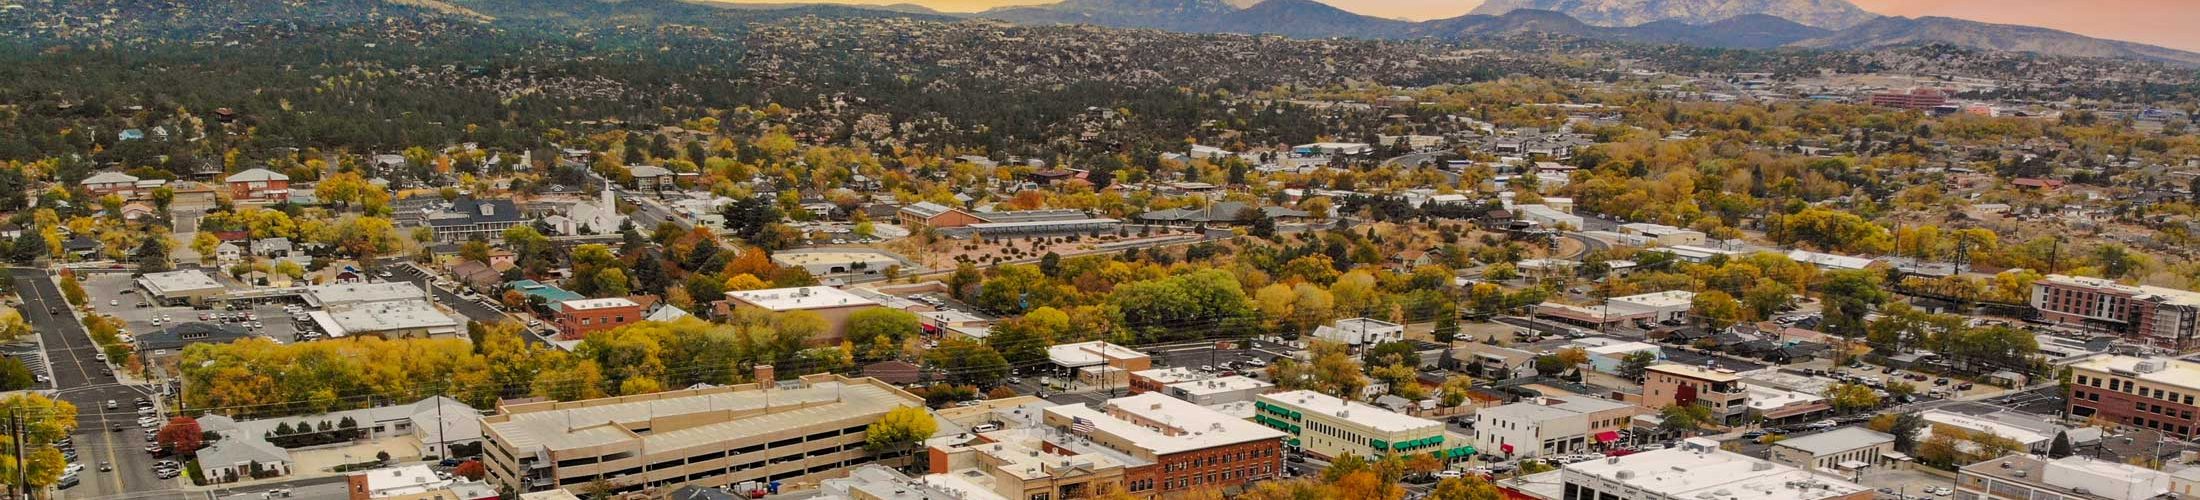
1447,325
2061,447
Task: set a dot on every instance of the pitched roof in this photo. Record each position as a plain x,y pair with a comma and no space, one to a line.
257,175
110,178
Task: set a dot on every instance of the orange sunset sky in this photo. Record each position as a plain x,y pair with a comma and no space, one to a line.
2169,23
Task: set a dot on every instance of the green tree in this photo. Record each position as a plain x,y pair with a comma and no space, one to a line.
1683,419
1447,324
1717,309
2061,447
1636,363
12,325
968,362
1849,296
47,420
72,290
899,430
14,376
1847,398
867,326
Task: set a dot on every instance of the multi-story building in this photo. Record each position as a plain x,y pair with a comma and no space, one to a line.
413,482
106,183
467,219
1159,379
800,431
1677,384
1021,463
1699,469
1328,427
259,185
2027,477
2154,393
1846,448
1172,446
832,304
934,215
578,318
1917,98
1551,426
2160,316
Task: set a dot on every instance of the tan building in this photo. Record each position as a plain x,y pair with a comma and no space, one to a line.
1021,464
796,434
2156,393
1846,450
1721,391
832,304
1172,446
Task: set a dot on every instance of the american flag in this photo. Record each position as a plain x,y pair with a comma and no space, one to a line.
1081,425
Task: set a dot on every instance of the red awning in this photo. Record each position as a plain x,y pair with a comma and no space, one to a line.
1607,436
1507,448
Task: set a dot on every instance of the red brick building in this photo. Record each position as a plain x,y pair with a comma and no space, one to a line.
259,185
2159,316
1190,447
2157,393
1918,98
578,318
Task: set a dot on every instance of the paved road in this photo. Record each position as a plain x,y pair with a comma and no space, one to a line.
78,381
316,488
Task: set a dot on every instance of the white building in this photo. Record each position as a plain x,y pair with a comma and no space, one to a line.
1219,390
1698,469
1847,449
1547,217
1663,234
1361,332
2077,477
1551,426
390,320
1829,261
1608,358
1670,305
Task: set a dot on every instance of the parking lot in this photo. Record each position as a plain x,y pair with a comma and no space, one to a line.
116,295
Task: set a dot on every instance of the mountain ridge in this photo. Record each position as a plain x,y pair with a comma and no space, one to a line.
1827,14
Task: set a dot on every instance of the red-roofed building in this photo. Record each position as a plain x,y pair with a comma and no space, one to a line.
2040,184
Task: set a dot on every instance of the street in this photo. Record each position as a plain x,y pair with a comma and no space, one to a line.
78,381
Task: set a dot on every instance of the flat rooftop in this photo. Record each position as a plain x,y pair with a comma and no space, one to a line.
1218,385
832,257
1083,354
2166,371
1684,473
1172,375
1669,298
593,304
1694,372
173,282
800,298
382,317
1364,414
361,293
1165,425
565,426
1837,440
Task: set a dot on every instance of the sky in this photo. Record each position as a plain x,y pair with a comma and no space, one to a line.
2168,23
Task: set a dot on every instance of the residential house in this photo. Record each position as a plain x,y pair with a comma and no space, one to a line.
259,185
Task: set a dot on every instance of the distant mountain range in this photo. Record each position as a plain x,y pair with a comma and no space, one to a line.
1828,14
1747,24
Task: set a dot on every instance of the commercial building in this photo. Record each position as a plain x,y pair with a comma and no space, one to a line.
1022,463
1159,379
1099,363
1552,425
389,320
1174,446
2156,393
1847,449
413,482
1663,235
934,215
1917,98
2028,477
1669,384
1829,261
800,431
832,304
1359,332
2154,315
185,287
349,295
1329,427
578,318
1549,218
1219,390
468,218
1698,469
1670,305
258,185
2031,432
1609,358
825,262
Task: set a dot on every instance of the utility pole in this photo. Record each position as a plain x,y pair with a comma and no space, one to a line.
22,466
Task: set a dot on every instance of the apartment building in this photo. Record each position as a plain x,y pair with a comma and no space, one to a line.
1698,469
578,318
1671,383
1328,427
1170,445
1551,426
2027,477
795,431
2159,316
2155,393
